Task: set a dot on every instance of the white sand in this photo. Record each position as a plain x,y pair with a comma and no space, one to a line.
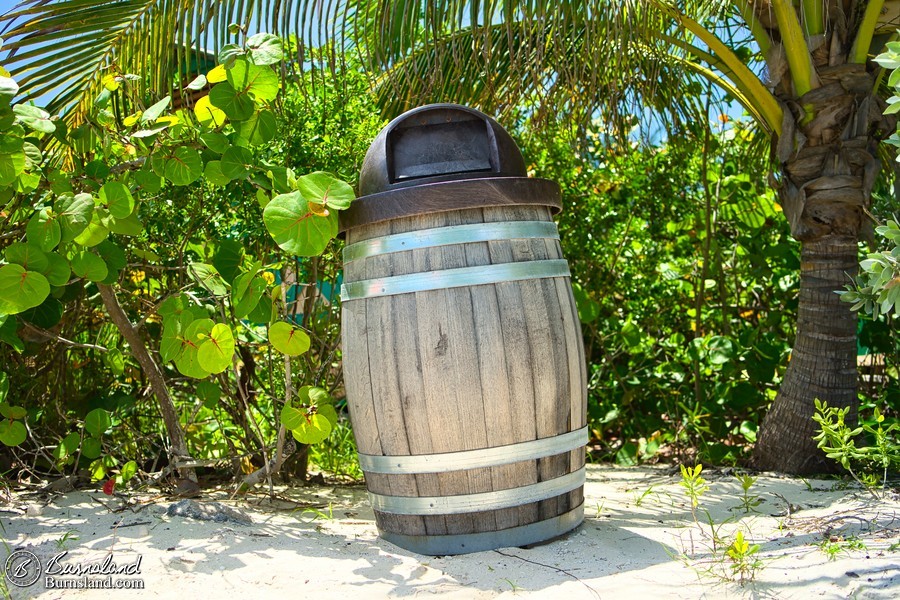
632,545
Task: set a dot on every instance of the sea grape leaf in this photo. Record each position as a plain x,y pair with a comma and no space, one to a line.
12,433
43,229
322,188
295,228
75,212
116,198
216,352
97,421
316,428
184,167
288,339
88,265
21,289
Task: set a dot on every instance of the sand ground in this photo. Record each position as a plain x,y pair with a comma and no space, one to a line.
638,540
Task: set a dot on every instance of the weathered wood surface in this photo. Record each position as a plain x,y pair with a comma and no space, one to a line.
464,369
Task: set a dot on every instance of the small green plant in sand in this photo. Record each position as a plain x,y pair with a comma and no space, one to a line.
743,557
730,558
69,536
834,546
867,464
694,486
749,501
639,498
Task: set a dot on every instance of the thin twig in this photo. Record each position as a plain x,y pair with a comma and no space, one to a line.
53,336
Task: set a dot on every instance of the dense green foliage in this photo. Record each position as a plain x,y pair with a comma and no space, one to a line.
176,211
686,280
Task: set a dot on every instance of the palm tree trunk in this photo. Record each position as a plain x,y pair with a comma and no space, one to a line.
822,364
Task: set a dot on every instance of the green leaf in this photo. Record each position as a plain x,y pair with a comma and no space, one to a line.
264,49
97,169
75,212
228,258
588,309
197,84
113,255
230,52
260,82
91,448
115,360
292,418
88,265
209,393
130,225
323,188
207,276
288,339
4,382
46,314
12,164
33,156
235,161
208,114
316,428
149,181
8,88
297,230
184,167
97,422
68,445
328,411
34,117
260,128
12,433
116,198
43,229
237,106
153,113
215,354
28,255
245,301
12,412
8,334
263,313
213,173
128,471
217,142
174,327
195,334
21,289
94,233
720,349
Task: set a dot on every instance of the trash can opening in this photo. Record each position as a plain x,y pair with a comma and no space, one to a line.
440,142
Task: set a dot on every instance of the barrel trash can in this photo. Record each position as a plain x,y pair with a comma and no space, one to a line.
462,351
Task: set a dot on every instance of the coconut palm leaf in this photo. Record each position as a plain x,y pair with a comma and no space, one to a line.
63,49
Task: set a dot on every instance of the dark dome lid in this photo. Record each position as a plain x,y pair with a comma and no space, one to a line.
439,142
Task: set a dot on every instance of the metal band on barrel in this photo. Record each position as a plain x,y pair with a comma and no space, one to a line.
474,459
468,503
440,545
454,234
450,278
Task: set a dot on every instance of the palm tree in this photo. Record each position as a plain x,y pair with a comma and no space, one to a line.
800,68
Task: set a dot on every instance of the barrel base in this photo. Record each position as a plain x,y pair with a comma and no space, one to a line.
533,533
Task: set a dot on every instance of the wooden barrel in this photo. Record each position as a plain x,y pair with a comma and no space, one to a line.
464,366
